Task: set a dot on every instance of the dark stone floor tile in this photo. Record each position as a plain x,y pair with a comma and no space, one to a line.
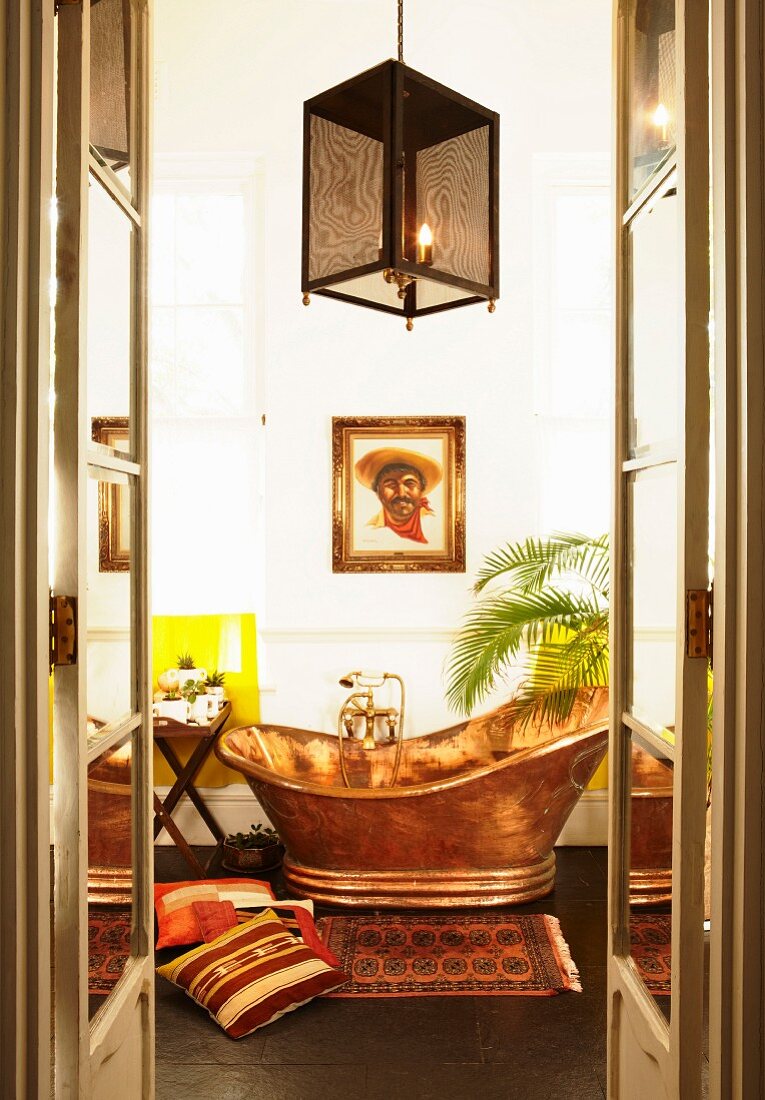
484,1082
601,1072
527,1030
470,1082
176,1082
578,876
184,1032
424,1030
600,855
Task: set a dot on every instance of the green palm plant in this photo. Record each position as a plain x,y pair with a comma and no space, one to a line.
551,618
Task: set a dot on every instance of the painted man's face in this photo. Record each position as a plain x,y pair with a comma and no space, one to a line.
400,490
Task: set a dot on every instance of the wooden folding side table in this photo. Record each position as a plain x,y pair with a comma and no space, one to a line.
167,730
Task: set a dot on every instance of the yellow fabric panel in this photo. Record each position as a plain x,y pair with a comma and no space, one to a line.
225,642
599,781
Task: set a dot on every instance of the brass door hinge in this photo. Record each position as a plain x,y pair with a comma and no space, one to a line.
698,622
63,631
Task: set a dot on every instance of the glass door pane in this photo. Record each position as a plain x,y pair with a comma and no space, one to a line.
653,106
655,332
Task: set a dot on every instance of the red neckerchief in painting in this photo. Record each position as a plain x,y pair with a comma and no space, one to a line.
411,528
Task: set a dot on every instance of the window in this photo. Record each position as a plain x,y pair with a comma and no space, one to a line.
204,386
573,321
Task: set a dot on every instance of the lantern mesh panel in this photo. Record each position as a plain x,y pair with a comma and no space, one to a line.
431,294
346,199
371,288
109,80
453,198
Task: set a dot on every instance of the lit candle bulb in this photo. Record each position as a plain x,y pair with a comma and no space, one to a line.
425,245
660,119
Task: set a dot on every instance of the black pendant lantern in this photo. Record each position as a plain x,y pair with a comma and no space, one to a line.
400,194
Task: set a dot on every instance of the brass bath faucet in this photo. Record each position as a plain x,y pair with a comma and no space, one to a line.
361,704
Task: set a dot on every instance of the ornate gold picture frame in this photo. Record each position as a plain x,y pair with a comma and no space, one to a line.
398,494
113,500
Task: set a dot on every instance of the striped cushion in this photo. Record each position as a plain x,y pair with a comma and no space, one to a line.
297,918
174,901
252,974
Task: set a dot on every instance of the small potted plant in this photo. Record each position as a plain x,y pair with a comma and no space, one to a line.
258,850
215,682
194,692
188,670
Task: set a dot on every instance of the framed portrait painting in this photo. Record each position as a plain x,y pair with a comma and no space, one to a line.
398,497
113,499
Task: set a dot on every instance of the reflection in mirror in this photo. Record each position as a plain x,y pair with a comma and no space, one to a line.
650,877
110,81
109,315
655,349
653,110
110,872
109,631
652,512
113,511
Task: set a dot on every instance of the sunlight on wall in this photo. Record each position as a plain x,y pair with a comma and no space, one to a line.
225,642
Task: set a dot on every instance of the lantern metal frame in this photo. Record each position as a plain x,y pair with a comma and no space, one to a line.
346,105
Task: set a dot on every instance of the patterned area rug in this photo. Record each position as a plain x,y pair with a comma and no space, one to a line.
108,946
491,954
650,948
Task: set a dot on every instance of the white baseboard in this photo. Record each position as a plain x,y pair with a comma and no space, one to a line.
235,807
588,824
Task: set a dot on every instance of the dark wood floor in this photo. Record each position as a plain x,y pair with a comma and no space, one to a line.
450,1048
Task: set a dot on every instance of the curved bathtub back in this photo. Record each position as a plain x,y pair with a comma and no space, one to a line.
306,756
310,757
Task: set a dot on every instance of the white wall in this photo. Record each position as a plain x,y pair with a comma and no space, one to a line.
232,80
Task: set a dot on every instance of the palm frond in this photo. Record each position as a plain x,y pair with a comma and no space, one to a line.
551,623
556,672
530,564
495,631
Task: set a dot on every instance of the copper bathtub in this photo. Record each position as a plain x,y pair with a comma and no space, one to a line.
472,820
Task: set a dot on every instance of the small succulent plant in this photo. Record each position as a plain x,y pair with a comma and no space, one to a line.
191,689
258,837
185,660
215,678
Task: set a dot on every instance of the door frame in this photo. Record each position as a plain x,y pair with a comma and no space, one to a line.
26,187
737,957
658,1053
113,1052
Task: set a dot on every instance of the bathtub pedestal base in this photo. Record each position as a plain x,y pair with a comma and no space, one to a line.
421,889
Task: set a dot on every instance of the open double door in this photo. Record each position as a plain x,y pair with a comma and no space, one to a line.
686,848
75,766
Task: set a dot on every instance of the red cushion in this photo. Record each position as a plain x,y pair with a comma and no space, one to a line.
215,918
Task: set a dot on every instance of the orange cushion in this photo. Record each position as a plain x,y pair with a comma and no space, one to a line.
252,974
174,901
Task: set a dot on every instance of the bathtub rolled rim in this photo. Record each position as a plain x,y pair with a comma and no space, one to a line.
277,779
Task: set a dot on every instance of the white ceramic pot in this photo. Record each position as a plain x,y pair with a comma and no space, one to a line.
198,710
195,674
172,708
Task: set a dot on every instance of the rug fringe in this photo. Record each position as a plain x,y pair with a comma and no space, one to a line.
563,952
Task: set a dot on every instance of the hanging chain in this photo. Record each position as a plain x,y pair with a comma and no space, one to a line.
401,31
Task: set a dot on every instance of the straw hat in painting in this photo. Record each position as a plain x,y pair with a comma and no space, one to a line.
368,468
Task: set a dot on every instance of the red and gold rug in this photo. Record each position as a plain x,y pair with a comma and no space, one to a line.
650,935
491,954
108,946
